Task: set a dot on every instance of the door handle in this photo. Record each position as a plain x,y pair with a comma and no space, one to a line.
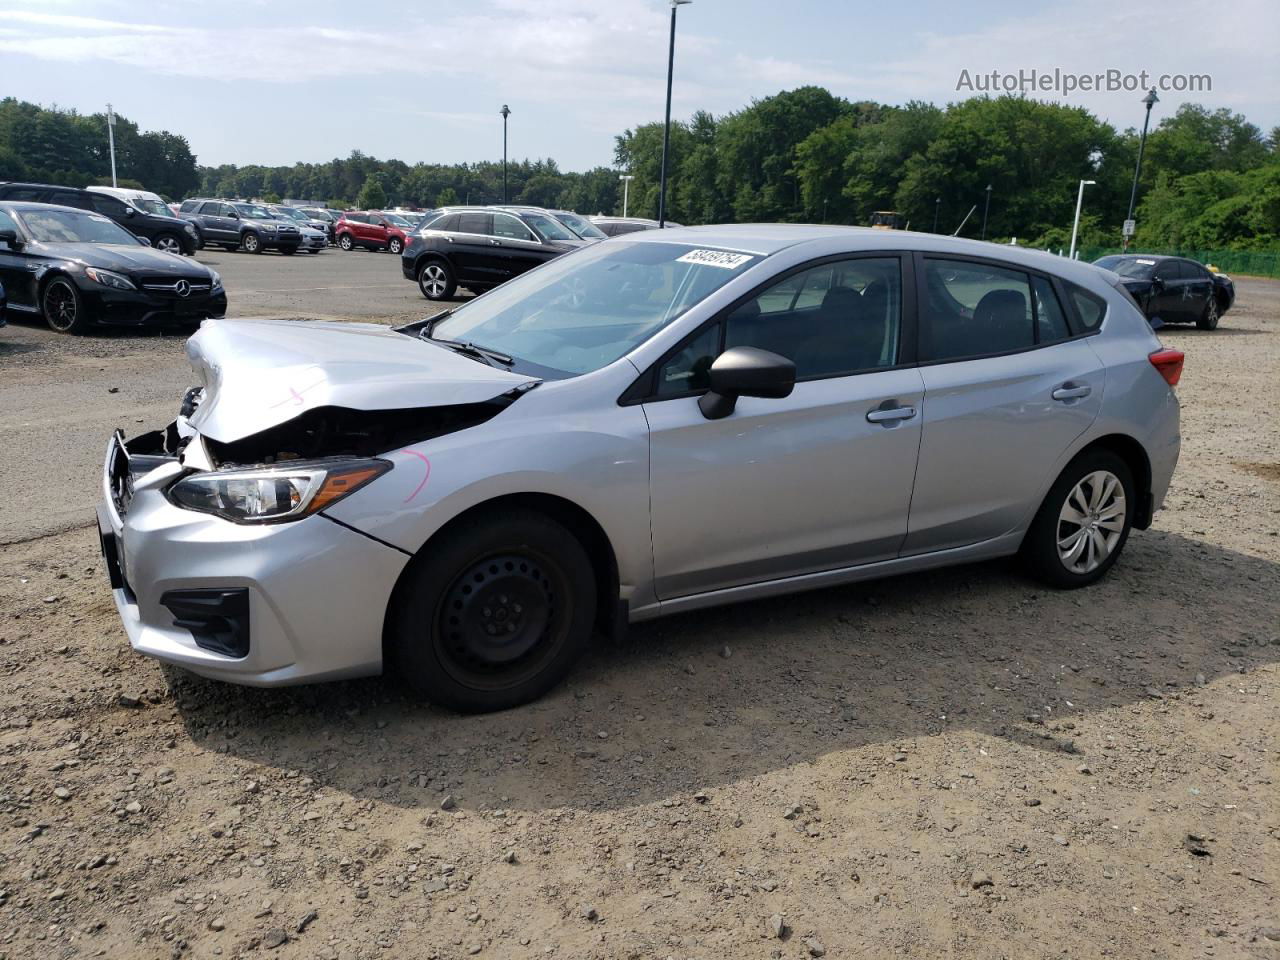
1072,391
496,243
890,415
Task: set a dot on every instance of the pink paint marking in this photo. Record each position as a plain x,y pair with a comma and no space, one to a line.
427,463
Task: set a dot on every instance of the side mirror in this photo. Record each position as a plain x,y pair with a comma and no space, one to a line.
129,211
1157,283
745,372
145,241
233,215
10,237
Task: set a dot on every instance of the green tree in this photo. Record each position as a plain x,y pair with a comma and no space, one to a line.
372,196
448,197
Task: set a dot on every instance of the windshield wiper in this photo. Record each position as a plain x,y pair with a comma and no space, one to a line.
476,352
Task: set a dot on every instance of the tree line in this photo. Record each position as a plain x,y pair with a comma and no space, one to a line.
1210,178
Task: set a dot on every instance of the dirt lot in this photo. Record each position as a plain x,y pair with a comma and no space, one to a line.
956,764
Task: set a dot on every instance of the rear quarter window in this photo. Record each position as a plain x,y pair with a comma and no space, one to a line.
1090,308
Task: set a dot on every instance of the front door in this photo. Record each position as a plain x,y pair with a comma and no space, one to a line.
518,249
817,481
15,269
1008,389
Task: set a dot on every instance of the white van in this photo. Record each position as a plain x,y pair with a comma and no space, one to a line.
143,200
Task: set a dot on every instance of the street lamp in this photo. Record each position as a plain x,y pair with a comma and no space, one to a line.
506,112
626,179
111,140
1150,100
985,210
666,129
1075,227
937,207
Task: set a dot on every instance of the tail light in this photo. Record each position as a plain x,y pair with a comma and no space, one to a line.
1169,365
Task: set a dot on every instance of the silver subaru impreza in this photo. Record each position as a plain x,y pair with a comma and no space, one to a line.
648,425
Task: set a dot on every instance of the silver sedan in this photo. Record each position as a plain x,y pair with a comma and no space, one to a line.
668,421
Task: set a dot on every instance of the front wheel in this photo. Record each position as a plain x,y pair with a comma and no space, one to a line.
436,280
494,614
345,242
63,307
288,251
1212,313
1084,522
251,243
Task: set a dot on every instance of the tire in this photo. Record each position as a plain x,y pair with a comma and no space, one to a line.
436,280
395,245
314,250
346,243
1098,487
169,243
288,251
1212,314
494,614
251,242
63,307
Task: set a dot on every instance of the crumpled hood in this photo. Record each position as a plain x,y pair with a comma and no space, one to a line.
262,373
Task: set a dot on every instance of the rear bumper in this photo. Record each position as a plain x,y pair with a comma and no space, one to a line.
311,595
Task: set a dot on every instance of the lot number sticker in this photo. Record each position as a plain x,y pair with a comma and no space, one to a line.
715,258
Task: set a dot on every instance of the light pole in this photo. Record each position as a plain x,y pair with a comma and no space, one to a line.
626,179
937,207
111,140
506,112
666,129
1150,100
1075,226
985,210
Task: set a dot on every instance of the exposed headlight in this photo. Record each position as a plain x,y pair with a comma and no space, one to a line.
190,228
108,279
269,226
216,279
276,494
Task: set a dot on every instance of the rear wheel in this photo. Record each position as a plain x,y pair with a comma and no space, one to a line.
1084,522
395,245
494,614
251,243
436,280
63,306
1212,313
345,243
168,243
288,251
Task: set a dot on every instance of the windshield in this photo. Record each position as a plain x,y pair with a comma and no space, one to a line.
1137,268
156,207
68,226
253,212
292,213
550,227
585,310
318,214
398,220
581,226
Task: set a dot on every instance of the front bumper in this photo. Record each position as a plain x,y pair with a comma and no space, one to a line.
144,308
314,241
316,591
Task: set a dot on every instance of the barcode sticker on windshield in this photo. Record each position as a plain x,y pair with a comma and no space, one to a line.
715,258
1147,262
98,219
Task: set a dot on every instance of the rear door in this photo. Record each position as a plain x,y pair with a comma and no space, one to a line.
815,481
474,250
1198,287
1009,385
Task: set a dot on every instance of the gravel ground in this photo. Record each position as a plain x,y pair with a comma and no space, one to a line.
957,763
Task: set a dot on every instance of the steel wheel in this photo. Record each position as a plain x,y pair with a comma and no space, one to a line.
62,307
1091,521
168,244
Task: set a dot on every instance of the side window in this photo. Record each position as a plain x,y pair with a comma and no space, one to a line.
974,310
686,370
473,223
1089,308
505,225
68,199
23,194
1167,270
448,222
834,319
227,210
106,205
188,206
210,209
1051,322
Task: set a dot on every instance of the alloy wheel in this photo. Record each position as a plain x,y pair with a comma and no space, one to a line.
168,245
1091,521
435,280
61,306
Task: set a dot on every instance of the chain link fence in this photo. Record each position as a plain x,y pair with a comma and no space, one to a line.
1252,263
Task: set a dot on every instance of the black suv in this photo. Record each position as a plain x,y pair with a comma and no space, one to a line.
237,225
478,248
164,233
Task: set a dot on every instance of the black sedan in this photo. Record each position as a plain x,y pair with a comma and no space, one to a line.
1173,289
76,268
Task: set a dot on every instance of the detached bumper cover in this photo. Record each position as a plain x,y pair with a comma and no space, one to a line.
315,592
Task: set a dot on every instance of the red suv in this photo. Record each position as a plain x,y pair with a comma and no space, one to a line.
371,230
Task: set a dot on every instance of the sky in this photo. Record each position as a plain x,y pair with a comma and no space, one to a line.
277,82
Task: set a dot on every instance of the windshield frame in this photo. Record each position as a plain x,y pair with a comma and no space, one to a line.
546,287
246,212
126,238
597,235
1131,266
533,218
